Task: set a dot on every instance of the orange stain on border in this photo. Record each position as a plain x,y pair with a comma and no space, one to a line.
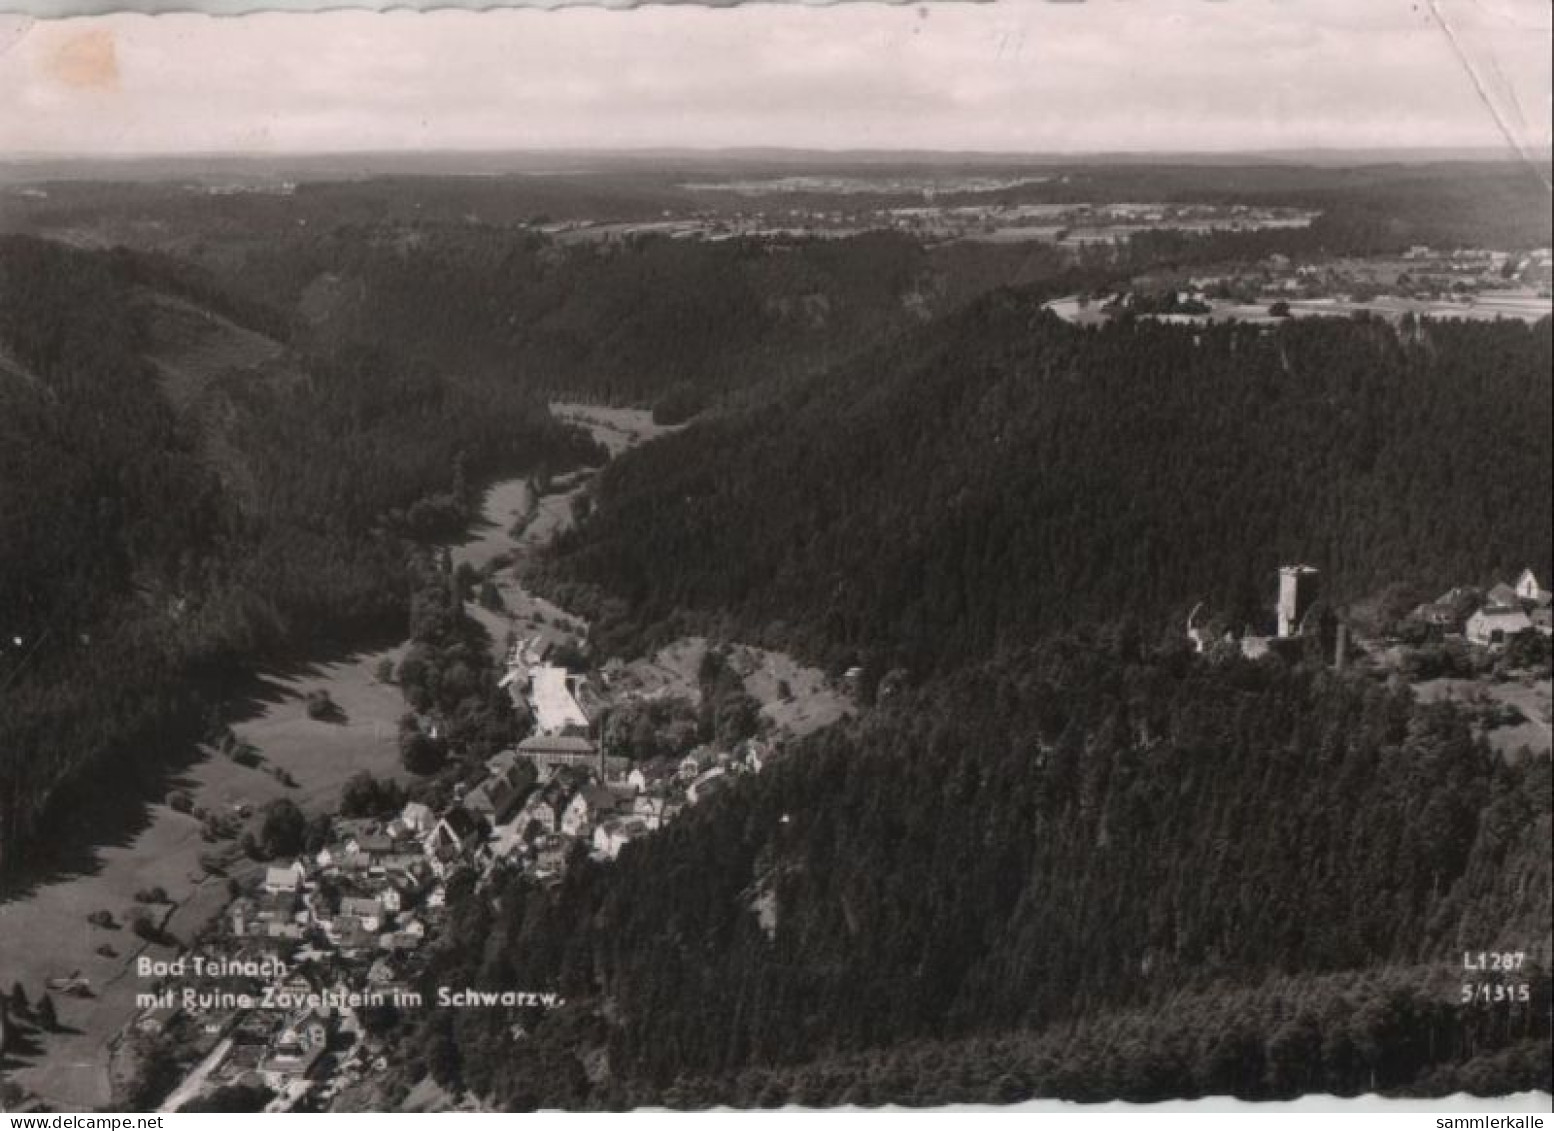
88,60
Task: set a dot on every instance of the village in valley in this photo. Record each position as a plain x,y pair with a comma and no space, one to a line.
283,996
284,992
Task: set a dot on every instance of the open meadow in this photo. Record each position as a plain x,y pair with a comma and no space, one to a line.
162,848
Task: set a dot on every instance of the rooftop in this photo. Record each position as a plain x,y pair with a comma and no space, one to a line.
556,744
555,709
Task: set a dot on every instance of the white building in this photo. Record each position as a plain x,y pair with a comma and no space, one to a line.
1495,625
555,707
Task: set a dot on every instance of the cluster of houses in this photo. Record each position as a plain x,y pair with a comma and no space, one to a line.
1490,619
288,1004
346,926
587,801
318,938
584,799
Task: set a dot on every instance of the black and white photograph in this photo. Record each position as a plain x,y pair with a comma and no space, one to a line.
958,556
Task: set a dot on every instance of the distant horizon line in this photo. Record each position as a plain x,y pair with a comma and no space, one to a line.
1406,153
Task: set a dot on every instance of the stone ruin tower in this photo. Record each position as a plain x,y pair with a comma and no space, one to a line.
1297,593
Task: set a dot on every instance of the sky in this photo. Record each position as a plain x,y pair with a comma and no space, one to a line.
1010,76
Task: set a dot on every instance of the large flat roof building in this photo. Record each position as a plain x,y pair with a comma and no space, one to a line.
555,707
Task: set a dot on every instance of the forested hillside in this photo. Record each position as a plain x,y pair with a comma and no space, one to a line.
1004,474
554,281
1087,870
164,529
625,321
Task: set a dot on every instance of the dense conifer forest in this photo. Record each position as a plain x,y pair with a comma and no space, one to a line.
153,552
632,320
1020,878
1003,474
1089,869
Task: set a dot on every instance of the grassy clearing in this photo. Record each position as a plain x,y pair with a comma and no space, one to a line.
616,428
72,1070
505,503
1531,698
810,703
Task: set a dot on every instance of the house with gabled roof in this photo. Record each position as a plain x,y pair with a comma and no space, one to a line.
405,869
243,915
396,893
615,833
309,1027
365,909
1528,589
650,807
417,818
547,751
1502,596
550,853
1493,625
457,834
494,798
592,804
375,846
1450,610
285,877
653,773
505,762
351,936
288,1063
276,906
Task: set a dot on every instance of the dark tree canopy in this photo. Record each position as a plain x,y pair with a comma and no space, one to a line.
1003,475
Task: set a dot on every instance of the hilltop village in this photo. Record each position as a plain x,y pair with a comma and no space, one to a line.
1489,620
